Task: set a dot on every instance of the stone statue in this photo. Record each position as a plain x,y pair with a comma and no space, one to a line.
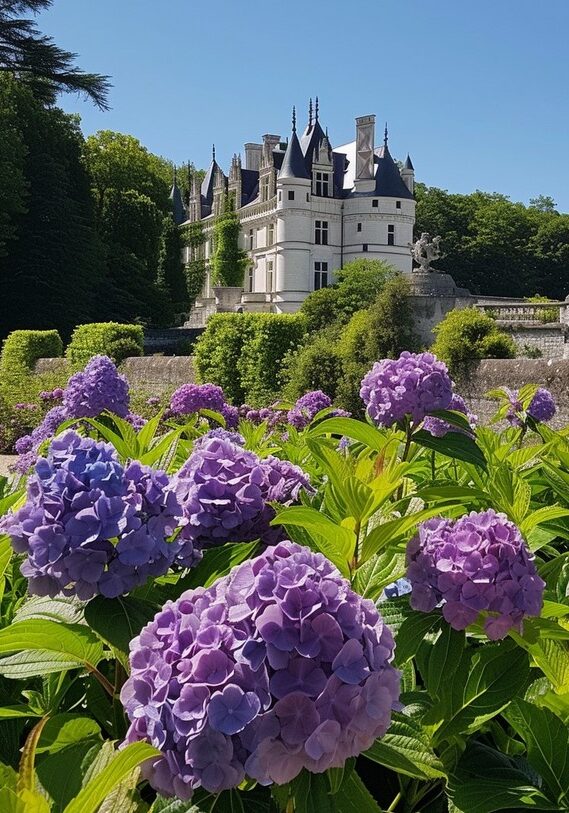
425,251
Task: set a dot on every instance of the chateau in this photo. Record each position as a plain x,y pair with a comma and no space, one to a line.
305,210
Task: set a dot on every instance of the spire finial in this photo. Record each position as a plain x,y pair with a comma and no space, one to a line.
174,173
317,109
310,112
213,152
385,136
293,119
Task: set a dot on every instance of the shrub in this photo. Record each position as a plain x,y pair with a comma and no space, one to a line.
319,309
468,335
261,362
316,365
218,350
22,348
111,339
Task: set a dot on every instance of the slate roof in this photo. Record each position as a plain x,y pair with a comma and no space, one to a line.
294,165
408,163
178,209
388,181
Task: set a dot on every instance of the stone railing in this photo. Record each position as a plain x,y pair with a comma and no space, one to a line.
257,209
523,311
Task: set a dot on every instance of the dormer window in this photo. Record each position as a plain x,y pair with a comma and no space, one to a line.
322,184
265,189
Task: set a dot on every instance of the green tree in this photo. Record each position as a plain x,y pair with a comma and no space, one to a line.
37,61
171,277
468,335
53,267
193,237
13,184
229,261
543,203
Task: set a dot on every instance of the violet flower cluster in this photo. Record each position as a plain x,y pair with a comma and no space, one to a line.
308,406
190,398
91,526
542,407
412,385
225,493
277,667
438,427
476,563
96,389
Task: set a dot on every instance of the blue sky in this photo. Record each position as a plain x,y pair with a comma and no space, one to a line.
475,90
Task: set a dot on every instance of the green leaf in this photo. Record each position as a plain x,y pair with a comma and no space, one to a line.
412,633
64,730
453,417
541,515
125,761
406,749
551,656
454,445
547,741
354,797
61,773
75,642
118,620
487,781
484,685
28,664
443,658
393,529
68,610
12,712
335,541
351,428
379,571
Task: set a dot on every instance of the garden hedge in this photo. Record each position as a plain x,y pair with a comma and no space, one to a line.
22,348
243,353
118,341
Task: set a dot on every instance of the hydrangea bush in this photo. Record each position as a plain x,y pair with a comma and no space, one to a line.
287,615
277,667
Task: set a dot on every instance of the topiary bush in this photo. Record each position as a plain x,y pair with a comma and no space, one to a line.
218,350
468,335
118,341
22,348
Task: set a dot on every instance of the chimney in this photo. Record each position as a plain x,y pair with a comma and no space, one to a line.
253,156
365,142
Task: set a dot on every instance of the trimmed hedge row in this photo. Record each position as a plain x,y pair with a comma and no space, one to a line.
111,339
243,353
22,349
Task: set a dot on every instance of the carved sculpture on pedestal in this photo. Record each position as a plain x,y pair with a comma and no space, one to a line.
425,251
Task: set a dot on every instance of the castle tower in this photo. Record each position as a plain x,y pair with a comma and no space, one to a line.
408,174
294,228
178,208
234,182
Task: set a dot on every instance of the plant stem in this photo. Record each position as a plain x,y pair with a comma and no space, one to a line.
394,803
408,437
106,684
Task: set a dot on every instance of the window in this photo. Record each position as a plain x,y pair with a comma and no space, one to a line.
375,203
270,276
391,235
359,226
271,234
320,275
251,280
364,247
322,184
265,189
280,196
308,197
290,194
398,204
251,240
321,232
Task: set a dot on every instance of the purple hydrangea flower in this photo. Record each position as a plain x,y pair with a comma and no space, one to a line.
96,389
136,421
412,385
191,398
28,445
52,395
231,415
153,401
438,428
225,491
91,526
222,434
277,667
476,563
307,407
542,407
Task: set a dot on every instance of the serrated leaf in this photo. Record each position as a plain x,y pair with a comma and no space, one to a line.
117,621
215,563
68,610
64,730
351,428
412,632
335,541
379,571
118,769
75,642
354,797
406,749
28,664
454,445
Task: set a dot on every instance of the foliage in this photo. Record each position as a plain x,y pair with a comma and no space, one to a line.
494,246
53,248
171,278
22,348
193,237
243,353
229,261
544,315
110,339
315,365
13,183
466,335
357,285
36,60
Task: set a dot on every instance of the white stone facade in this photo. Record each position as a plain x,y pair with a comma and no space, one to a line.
306,210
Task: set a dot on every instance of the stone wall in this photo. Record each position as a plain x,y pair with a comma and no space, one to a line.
156,374
514,373
549,339
428,311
